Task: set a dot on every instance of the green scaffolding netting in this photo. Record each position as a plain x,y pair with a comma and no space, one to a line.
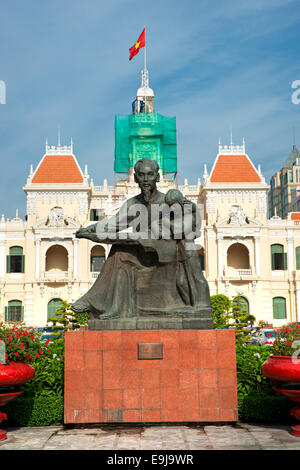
145,135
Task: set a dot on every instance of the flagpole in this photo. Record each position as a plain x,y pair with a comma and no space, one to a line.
145,65
145,49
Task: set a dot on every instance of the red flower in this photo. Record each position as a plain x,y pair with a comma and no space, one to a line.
21,345
37,355
289,343
16,353
30,357
17,335
41,352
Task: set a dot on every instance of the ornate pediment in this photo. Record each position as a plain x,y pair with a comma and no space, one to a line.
237,218
56,219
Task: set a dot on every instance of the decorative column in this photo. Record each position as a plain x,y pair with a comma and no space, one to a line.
220,255
75,258
257,256
37,257
2,259
290,254
298,305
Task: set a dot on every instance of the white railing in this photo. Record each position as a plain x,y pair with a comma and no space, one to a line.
237,273
103,189
53,275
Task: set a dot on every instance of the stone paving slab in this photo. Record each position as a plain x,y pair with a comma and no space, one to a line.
238,436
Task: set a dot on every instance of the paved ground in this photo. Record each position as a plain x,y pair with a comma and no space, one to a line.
167,437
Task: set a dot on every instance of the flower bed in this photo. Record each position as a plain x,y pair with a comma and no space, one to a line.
41,403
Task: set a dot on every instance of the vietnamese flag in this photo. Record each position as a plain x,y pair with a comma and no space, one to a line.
141,42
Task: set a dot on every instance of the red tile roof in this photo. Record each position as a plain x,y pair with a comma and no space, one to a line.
58,169
295,215
234,169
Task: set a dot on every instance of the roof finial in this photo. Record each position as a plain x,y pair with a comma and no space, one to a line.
294,142
231,135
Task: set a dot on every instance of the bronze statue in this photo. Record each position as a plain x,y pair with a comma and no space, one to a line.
153,269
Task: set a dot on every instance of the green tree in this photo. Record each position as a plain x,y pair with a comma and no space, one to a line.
66,320
241,317
221,310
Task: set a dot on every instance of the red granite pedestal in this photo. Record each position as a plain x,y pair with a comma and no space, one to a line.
194,380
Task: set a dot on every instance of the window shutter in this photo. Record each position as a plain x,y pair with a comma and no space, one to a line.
23,264
5,317
8,263
279,308
298,257
22,312
284,261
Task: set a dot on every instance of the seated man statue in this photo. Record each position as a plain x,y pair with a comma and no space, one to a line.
153,267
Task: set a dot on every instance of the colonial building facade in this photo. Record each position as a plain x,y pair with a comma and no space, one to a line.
243,251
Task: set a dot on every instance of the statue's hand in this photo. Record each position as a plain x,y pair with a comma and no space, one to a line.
79,233
86,232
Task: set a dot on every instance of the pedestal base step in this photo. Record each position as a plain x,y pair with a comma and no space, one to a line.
151,323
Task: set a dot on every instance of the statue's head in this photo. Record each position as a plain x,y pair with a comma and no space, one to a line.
146,174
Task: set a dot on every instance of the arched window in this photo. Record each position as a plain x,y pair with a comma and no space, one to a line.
97,258
14,311
57,258
278,257
298,257
53,305
15,261
279,308
238,256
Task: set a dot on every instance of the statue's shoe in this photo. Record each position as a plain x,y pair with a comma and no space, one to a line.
109,315
80,307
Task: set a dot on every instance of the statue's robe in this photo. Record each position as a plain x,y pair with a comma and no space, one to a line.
145,277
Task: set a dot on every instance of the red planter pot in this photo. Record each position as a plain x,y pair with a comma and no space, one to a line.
286,369
282,369
13,374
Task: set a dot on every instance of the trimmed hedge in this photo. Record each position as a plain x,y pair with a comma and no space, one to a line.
35,411
267,409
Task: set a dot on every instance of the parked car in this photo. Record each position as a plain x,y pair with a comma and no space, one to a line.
44,333
263,336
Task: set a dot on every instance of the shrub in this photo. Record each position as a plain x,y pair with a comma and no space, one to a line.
49,373
250,379
263,408
35,411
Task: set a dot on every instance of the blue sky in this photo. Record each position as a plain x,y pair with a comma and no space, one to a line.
213,65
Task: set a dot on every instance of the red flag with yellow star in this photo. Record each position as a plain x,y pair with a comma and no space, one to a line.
141,42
